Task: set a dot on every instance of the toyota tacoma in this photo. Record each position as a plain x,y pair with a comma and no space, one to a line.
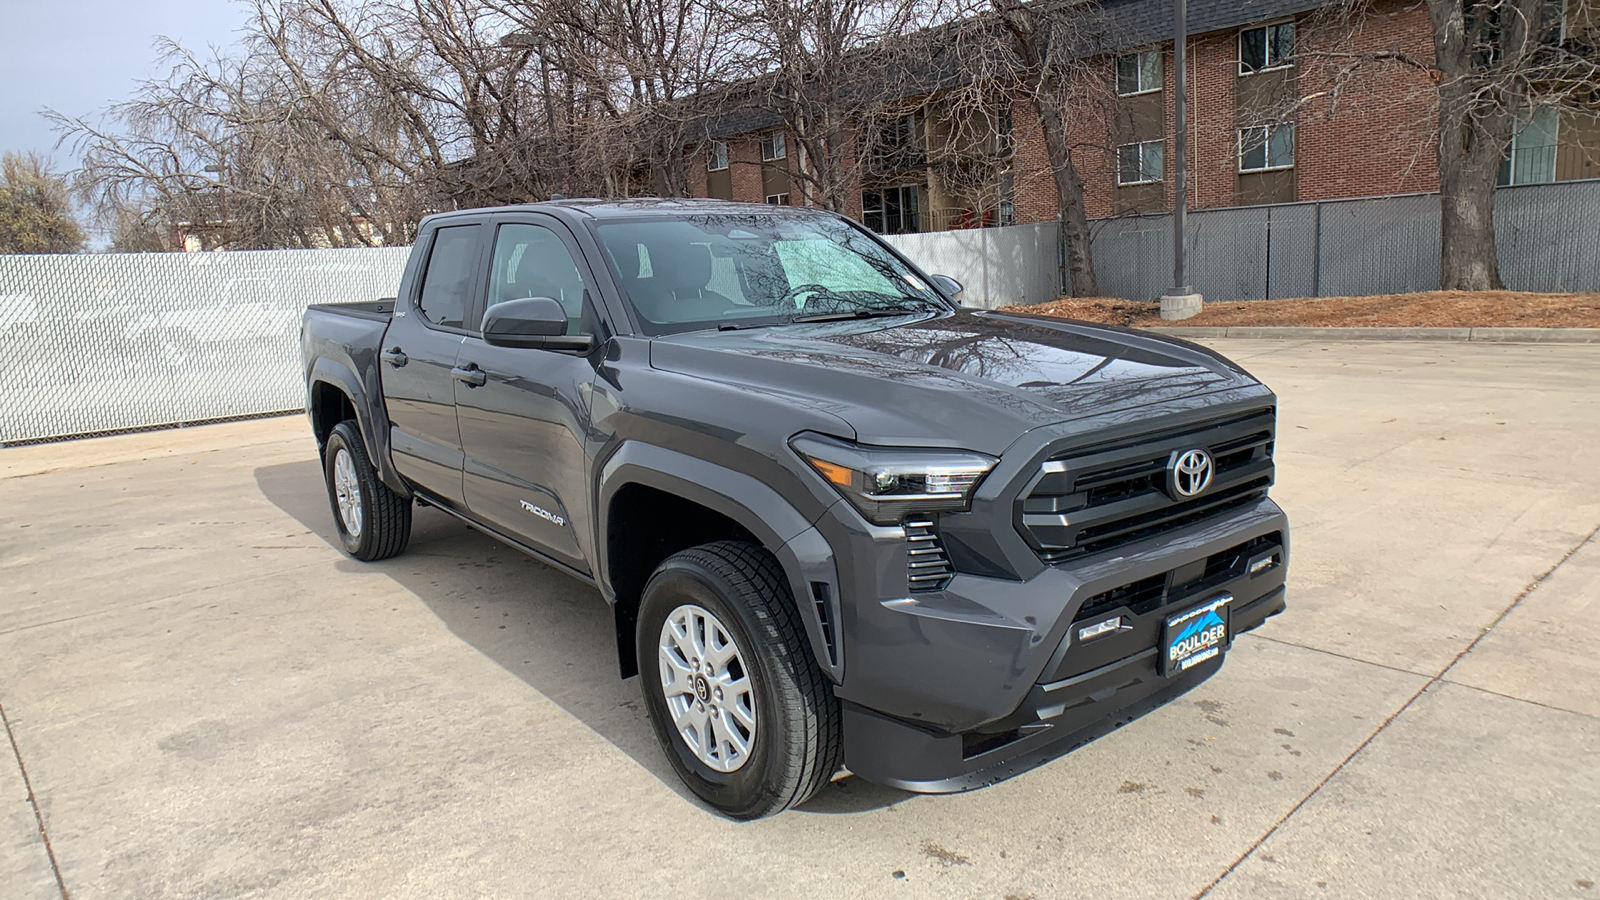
841,522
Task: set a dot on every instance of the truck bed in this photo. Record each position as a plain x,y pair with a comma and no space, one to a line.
379,310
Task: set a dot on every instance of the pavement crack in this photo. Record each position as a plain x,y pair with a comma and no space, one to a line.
33,801
1384,725
1484,690
1337,655
1517,600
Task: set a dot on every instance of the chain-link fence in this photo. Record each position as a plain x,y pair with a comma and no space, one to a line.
1548,237
105,342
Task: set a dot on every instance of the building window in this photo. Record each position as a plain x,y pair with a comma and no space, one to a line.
1266,47
717,158
1531,158
895,146
891,210
773,146
1555,21
1008,213
1139,163
1266,147
778,199
1002,129
1139,73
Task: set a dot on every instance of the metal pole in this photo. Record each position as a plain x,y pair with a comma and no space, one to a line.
1316,252
1180,103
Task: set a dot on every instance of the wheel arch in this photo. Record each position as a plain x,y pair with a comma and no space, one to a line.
333,394
691,502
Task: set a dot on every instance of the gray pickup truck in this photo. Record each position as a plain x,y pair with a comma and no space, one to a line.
841,521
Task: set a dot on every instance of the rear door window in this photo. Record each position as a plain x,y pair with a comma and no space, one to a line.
447,283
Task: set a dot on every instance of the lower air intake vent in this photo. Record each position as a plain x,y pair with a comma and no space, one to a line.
927,566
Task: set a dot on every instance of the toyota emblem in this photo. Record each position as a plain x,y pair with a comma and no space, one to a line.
1191,472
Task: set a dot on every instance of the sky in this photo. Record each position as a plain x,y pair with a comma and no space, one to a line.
78,56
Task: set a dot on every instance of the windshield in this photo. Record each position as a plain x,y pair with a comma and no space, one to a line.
688,273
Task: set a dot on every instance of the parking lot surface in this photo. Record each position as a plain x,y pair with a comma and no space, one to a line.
205,698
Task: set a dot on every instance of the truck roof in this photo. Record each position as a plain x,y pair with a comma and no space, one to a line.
594,208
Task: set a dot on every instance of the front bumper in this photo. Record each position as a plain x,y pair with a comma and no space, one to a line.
955,690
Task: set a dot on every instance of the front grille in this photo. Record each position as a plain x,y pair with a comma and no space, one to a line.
1096,498
927,565
1147,595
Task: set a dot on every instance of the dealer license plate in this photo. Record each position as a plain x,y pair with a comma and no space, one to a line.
1195,635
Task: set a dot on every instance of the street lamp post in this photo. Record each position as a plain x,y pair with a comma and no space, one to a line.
222,204
1181,301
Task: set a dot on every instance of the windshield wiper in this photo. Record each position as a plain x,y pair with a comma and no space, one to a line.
865,312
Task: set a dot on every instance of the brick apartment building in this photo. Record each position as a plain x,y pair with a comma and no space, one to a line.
1253,138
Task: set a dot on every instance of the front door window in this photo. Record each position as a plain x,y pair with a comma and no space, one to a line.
532,261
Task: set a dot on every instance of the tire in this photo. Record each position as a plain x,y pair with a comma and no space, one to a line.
377,525
793,739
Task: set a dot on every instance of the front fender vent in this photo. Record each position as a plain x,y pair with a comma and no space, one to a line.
927,565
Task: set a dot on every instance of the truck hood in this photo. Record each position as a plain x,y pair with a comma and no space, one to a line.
973,380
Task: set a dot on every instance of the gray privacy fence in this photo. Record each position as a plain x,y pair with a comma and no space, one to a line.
996,266
1548,236
105,342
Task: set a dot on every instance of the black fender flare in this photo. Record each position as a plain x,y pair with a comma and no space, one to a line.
806,556
341,377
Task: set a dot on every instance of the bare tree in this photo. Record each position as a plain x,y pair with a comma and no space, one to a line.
334,125
840,75
647,72
1495,64
221,150
1049,41
139,229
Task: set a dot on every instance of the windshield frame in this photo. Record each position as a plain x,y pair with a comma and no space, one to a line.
939,302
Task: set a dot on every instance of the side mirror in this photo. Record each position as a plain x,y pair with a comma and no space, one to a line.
947,284
531,322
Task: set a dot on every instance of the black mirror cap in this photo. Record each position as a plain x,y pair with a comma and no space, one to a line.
947,284
531,322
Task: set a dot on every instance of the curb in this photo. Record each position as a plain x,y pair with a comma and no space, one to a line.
1478,335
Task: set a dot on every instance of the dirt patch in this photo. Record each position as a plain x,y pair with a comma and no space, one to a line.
1431,309
945,857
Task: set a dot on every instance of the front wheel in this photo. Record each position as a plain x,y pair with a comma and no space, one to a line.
734,693
374,522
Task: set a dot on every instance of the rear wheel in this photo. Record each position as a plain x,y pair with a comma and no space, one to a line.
736,698
374,522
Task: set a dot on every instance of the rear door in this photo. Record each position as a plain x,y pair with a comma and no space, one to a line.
522,430
418,358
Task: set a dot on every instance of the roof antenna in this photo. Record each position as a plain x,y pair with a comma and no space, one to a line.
558,196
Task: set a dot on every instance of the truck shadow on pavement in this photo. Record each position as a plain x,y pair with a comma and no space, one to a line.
552,632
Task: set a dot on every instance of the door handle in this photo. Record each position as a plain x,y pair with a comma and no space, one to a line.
470,374
394,357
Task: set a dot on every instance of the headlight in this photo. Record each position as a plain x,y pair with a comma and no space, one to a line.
885,484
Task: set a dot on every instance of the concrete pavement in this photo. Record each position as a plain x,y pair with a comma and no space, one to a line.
210,700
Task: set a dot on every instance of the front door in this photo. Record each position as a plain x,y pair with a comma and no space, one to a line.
418,354
526,472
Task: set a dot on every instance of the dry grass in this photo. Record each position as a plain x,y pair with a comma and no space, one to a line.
1430,309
